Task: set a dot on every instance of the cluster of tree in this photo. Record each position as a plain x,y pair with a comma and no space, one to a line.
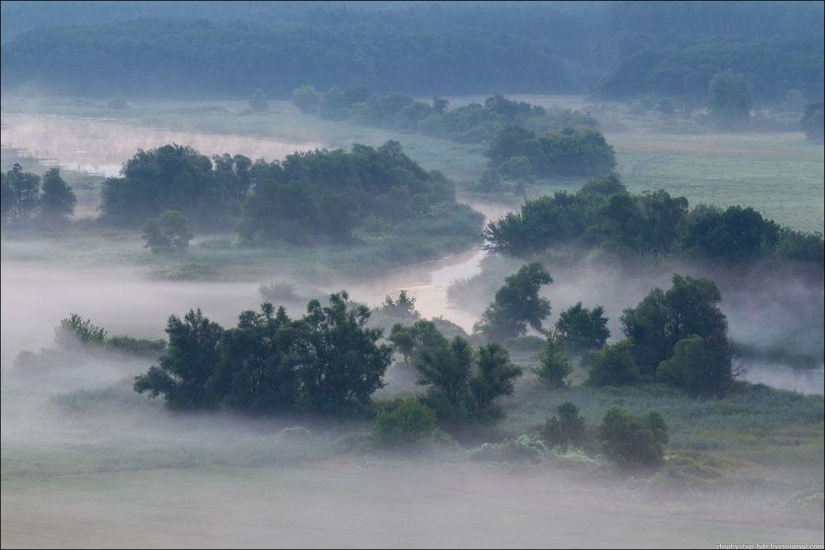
471,123
517,152
309,197
23,198
326,362
202,58
75,337
602,214
678,337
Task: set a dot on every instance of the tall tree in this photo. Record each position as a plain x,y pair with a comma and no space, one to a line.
517,304
58,200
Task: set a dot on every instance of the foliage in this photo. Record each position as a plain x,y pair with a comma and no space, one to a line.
554,363
327,362
613,365
701,366
403,308
813,122
279,291
737,234
524,448
517,303
690,307
568,152
20,195
58,200
168,233
565,428
730,99
580,329
74,331
413,341
465,386
404,423
634,441
185,370
306,99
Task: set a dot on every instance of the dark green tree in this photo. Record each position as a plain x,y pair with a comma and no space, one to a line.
168,233
185,372
554,363
58,200
690,306
701,366
20,194
256,372
734,235
517,304
338,361
580,329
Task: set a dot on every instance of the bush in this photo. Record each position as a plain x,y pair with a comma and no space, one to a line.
524,448
565,428
168,233
277,292
614,365
633,441
556,365
404,423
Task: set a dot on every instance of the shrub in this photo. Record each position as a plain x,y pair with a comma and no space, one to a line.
565,428
524,448
555,364
614,365
279,291
633,441
168,233
404,423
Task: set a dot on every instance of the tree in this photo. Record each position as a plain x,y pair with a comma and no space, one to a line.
613,365
306,99
338,361
517,304
555,365
20,194
813,122
184,374
690,306
631,440
58,200
168,233
701,366
405,423
413,341
258,102
565,428
580,329
730,99
464,386
735,235
256,372
75,331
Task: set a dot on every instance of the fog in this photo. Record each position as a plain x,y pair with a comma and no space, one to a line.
102,146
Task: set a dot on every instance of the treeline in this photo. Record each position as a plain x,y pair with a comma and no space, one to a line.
210,49
310,197
472,123
603,214
682,67
184,58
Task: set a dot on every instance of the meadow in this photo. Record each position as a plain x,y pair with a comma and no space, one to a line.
747,468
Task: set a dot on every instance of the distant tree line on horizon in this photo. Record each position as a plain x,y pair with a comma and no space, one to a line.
617,50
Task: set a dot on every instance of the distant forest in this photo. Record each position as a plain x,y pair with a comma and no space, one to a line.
229,49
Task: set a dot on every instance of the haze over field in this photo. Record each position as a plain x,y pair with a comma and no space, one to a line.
552,274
